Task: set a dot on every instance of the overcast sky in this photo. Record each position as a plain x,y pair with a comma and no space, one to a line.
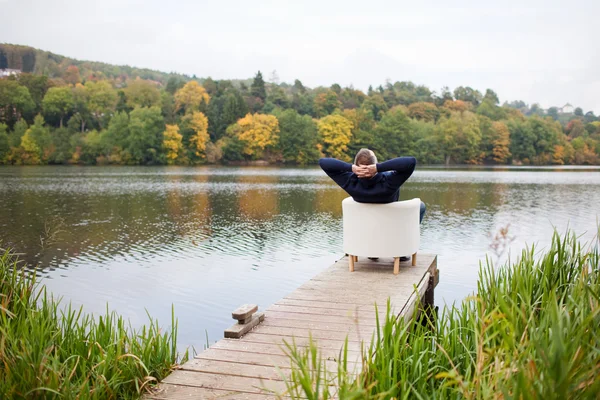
537,51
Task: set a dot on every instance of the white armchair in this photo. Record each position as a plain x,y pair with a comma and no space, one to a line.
381,230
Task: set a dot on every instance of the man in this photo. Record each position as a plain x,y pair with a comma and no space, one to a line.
370,182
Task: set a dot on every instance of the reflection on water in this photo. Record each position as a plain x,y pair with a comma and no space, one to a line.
210,239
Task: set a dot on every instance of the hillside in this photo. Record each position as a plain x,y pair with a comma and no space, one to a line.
40,62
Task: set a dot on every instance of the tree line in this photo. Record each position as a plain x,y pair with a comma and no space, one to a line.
93,119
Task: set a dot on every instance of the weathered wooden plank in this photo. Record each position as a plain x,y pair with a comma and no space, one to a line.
321,318
219,381
232,368
244,311
270,348
354,314
347,297
321,325
219,354
335,344
178,392
236,331
325,305
292,332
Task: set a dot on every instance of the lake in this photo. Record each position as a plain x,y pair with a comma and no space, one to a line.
208,239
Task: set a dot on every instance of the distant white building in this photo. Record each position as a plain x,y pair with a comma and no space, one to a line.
8,72
566,109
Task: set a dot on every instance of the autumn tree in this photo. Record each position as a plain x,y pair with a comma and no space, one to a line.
326,103
142,93
58,102
36,142
501,142
457,106
191,97
71,75
335,132
172,144
257,132
424,111
200,137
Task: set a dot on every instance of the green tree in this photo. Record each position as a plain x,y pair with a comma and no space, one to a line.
174,84
80,106
376,105
61,141
258,87
15,101
58,101
393,135
522,141
37,86
4,142
491,97
553,112
19,130
578,112
468,94
142,93
298,137
459,137
144,142
101,99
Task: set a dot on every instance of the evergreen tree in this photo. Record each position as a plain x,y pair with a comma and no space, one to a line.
258,87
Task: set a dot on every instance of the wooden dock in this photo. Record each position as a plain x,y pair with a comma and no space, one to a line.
332,305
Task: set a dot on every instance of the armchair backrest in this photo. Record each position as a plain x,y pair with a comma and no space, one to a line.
381,230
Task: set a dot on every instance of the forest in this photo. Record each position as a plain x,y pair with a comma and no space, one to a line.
58,110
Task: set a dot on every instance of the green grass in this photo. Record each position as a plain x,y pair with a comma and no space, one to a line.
532,331
49,351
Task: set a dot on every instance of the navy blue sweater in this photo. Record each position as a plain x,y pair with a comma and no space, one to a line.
384,187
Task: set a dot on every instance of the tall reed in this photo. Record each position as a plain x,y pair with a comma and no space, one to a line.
49,351
532,331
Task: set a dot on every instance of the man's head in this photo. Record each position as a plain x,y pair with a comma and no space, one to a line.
365,157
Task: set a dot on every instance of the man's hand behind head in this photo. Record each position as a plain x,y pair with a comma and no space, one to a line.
365,171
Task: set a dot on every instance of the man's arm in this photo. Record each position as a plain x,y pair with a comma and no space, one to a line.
403,167
337,170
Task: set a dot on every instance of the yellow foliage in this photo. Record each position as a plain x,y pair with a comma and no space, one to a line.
257,131
172,143
501,142
31,151
191,96
336,132
199,124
